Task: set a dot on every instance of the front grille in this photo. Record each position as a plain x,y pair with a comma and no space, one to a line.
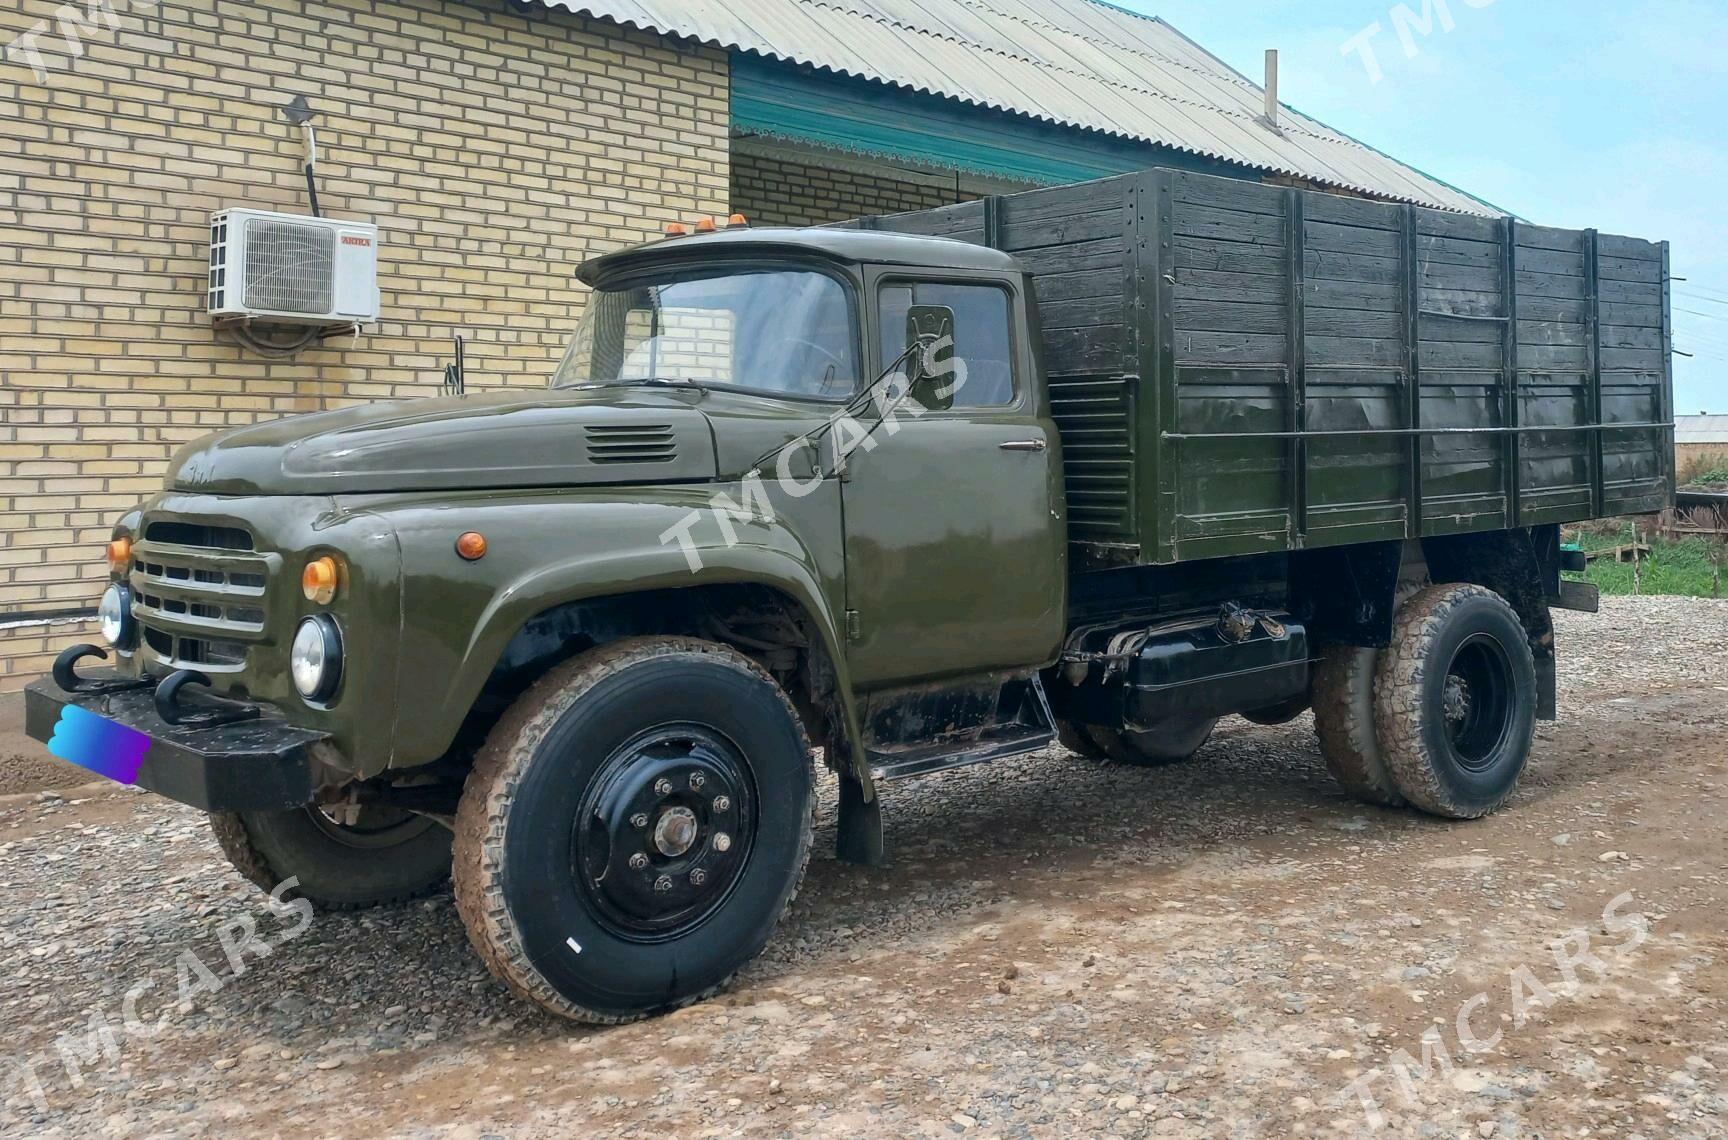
199,593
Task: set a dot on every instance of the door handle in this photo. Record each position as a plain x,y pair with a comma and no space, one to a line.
1025,445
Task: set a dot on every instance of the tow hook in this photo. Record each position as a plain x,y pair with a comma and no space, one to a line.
66,676
219,710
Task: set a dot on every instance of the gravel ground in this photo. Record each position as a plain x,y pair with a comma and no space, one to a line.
1057,947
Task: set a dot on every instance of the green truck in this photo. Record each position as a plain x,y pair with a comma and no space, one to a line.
1100,464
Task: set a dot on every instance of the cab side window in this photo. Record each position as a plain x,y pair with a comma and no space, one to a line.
981,335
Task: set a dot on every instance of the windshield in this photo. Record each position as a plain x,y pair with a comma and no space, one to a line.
783,331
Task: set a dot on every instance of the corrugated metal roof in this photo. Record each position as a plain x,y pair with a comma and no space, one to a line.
1077,63
1700,429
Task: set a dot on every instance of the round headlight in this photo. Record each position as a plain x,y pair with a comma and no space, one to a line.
114,614
315,659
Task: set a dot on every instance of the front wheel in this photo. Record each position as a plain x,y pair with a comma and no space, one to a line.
634,828
1455,701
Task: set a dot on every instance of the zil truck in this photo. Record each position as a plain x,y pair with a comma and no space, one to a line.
1097,464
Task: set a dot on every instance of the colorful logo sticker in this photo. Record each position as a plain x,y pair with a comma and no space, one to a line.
99,744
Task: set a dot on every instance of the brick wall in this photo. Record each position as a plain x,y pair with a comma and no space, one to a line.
774,192
495,154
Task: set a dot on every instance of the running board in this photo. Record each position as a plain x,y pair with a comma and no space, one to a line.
940,758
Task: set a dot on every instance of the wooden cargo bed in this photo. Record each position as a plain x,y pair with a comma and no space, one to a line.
1238,368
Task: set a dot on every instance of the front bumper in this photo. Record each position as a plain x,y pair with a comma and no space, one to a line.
259,764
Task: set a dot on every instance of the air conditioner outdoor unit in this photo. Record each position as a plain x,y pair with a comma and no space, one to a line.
290,269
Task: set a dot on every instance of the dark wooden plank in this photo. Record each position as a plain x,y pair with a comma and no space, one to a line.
1546,357
1630,269
1333,350
1105,253
1194,220
1083,283
1097,349
1194,347
1439,223
1454,251
1442,354
1081,312
1559,285
1636,249
1625,313
1565,310
1229,193
1462,302
1460,278
1329,238
1218,316
1324,265
1342,210
1375,296
1355,323
1633,359
1550,237
1229,256
1454,330
1631,292
1216,285
1552,333
1626,336
1034,233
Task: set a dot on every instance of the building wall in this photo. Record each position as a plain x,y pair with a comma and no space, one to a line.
777,192
494,152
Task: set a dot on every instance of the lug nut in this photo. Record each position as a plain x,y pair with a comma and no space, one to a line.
638,861
639,820
698,877
722,841
722,803
662,787
697,779
663,883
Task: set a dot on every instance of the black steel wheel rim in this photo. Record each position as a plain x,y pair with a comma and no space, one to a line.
1476,702
376,826
664,832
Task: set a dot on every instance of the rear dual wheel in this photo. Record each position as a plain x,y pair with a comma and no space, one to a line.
1444,717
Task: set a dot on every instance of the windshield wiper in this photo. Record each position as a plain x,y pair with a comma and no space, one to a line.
649,381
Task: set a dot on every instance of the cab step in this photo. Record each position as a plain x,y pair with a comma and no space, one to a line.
992,744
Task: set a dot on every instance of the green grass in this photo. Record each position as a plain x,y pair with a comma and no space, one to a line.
1683,568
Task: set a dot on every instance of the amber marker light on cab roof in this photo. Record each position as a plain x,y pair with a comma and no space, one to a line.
119,555
737,220
705,226
471,545
318,580
675,229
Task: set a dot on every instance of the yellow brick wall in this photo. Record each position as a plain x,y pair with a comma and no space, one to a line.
494,152
775,192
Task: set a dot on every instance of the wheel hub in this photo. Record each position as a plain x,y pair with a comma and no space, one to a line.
664,832
676,831
1455,700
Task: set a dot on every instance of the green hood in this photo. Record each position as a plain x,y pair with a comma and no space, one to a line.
525,438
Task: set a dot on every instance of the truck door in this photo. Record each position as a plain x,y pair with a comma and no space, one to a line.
955,539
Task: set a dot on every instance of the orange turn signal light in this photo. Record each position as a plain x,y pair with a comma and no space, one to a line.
119,555
675,229
737,220
318,581
705,225
471,545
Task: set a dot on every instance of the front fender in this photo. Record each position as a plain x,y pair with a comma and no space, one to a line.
546,550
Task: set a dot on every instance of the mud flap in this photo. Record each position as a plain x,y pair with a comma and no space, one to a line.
858,834
1547,700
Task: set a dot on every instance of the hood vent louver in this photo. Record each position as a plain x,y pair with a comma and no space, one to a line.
631,443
